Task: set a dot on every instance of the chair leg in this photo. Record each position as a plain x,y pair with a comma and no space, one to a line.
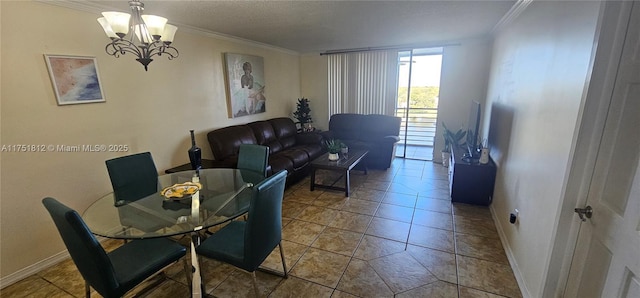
284,265
203,284
87,289
255,284
187,270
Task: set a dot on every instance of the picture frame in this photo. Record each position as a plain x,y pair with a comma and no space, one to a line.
245,84
75,79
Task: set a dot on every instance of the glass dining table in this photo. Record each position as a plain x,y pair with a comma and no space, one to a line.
223,196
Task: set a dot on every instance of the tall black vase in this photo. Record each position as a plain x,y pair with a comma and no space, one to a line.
195,154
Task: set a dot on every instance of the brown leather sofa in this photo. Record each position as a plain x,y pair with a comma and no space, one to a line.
288,149
373,132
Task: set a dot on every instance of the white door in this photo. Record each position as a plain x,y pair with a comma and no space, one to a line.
606,261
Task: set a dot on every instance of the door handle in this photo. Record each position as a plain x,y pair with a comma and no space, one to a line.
584,213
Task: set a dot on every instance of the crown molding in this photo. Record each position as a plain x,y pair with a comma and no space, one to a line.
98,9
511,15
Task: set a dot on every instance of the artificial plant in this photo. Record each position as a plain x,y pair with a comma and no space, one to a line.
303,112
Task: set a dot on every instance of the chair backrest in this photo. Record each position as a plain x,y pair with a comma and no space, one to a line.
133,176
264,221
346,126
375,126
254,158
85,250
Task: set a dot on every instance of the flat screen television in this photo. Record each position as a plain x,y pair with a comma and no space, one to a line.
473,131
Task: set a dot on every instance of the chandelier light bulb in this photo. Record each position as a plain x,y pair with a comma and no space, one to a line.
169,33
155,24
107,28
118,21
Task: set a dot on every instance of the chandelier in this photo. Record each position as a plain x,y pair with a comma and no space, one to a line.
149,35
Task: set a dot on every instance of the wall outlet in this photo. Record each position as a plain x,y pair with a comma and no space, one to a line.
513,217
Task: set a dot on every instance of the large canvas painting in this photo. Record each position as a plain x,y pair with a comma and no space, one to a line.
75,79
245,84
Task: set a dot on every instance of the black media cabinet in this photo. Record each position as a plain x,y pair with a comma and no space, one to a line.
471,182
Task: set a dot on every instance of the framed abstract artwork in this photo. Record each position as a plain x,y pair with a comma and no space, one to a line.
244,76
75,79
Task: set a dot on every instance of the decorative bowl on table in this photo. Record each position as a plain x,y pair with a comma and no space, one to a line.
180,191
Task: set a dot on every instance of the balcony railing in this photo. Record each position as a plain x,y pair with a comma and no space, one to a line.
419,127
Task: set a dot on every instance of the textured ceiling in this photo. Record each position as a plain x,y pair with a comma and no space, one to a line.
318,26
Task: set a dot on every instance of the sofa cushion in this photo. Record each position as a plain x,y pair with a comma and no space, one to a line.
265,135
313,150
225,142
355,144
278,163
377,127
298,157
285,131
345,126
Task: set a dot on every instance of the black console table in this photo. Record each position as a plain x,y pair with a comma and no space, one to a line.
206,164
471,182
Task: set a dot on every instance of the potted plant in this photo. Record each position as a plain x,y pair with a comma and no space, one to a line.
446,150
451,141
334,147
344,148
303,114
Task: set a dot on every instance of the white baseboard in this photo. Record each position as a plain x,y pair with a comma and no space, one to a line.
33,269
512,261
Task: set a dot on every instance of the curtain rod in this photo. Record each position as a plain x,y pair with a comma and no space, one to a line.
370,49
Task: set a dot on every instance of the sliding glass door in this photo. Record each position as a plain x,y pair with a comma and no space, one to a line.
417,104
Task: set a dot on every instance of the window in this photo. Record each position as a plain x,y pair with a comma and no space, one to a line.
363,82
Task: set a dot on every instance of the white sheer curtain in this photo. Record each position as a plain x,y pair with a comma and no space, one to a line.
363,82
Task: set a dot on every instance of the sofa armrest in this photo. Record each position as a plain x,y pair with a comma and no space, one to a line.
391,139
308,138
327,135
380,139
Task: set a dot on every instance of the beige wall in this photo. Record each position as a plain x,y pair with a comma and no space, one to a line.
463,79
313,85
147,111
539,71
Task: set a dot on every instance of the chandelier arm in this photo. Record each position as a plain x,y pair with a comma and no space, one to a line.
160,48
121,46
172,52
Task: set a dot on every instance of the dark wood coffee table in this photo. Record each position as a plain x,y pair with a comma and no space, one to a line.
345,164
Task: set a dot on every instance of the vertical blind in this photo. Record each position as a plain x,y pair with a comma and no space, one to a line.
363,82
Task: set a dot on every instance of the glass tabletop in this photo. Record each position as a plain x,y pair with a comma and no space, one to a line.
225,195
346,161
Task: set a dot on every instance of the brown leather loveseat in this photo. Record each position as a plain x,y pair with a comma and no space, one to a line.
288,149
376,133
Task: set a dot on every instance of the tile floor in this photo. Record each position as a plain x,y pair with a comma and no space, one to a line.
398,235
415,152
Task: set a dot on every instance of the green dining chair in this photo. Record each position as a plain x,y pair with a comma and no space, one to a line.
246,244
133,176
115,273
254,158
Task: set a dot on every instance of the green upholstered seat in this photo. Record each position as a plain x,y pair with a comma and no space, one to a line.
246,244
254,158
115,273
